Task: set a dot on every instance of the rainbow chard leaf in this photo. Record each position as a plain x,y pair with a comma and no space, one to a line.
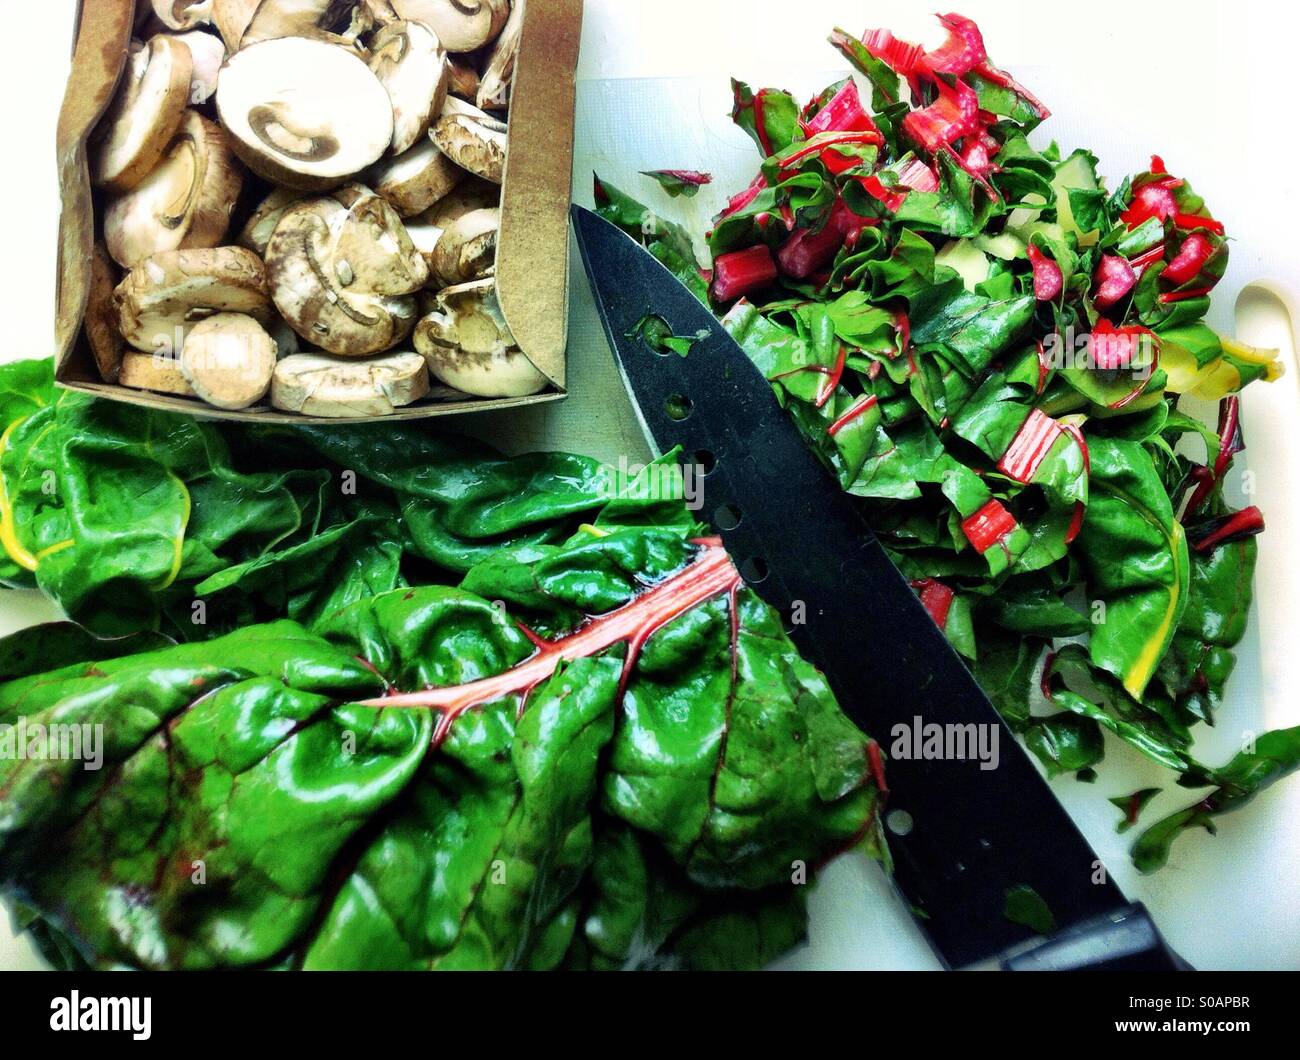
679,182
1274,755
312,803
1135,554
529,694
1196,669
1131,806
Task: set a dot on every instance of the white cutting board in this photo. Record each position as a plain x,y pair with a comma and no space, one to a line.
1225,902
1201,83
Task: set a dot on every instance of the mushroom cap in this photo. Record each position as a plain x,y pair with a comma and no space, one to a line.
493,92
260,226
426,228
316,385
161,299
228,359
332,267
245,22
468,345
208,54
183,14
145,115
473,139
185,202
374,245
414,181
274,19
304,113
411,64
461,25
232,18
467,248
473,193
158,372
462,79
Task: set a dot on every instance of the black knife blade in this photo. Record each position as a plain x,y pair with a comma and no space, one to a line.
975,833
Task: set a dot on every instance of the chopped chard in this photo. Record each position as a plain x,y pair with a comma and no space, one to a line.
1029,447
1114,278
1048,281
1194,253
936,598
742,272
989,526
1235,526
859,409
677,182
844,113
949,303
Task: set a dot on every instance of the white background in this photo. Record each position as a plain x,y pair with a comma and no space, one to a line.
1209,86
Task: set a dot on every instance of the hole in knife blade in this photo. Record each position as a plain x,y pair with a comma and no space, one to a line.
704,460
678,407
790,621
899,822
754,569
726,517
654,331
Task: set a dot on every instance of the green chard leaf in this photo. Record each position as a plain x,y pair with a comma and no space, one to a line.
1275,755
412,774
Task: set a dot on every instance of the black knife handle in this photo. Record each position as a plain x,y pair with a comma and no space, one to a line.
1124,941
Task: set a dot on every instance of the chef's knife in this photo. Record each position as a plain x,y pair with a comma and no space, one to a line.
964,836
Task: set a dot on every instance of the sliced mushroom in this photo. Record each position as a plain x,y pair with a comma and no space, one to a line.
185,202
163,298
499,74
228,359
315,385
414,181
158,372
183,14
461,25
462,80
426,228
473,193
373,246
468,346
467,248
473,139
149,108
304,113
208,55
411,64
232,18
101,316
245,22
341,271
260,227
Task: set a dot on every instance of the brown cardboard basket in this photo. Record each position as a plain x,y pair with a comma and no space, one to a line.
532,257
